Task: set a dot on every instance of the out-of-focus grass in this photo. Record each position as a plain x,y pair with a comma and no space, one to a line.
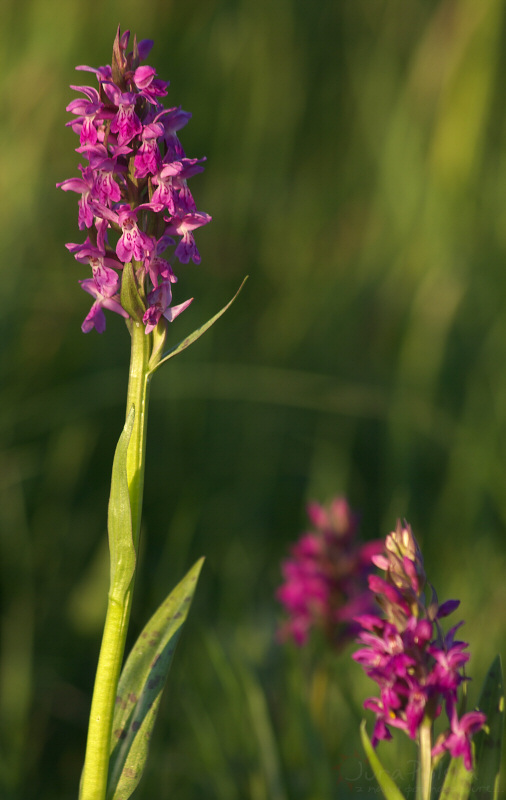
356,170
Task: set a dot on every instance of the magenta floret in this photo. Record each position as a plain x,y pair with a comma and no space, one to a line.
325,579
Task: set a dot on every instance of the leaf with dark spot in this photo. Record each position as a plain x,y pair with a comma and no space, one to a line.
141,685
130,773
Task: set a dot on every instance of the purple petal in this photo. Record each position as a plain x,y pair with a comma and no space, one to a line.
447,608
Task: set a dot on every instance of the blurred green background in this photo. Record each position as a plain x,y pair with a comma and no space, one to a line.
357,172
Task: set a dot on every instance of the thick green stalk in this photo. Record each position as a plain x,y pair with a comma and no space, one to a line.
425,760
96,765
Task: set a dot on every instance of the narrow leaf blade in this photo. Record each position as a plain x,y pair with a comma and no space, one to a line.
488,741
390,789
178,348
119,522
140,688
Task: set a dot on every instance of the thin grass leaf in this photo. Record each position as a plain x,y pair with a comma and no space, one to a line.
488,742
458,781
389,788
178,348
119,521
261,725
141,685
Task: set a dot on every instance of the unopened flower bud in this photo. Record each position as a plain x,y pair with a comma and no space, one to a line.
405,561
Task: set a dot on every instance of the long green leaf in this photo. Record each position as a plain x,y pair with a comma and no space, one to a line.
439,775
178,348
119,523
488,742
458,779
389,788
141,685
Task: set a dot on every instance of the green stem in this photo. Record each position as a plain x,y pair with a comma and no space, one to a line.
98,747
425,760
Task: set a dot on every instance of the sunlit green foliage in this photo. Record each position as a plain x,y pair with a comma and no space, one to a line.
357,172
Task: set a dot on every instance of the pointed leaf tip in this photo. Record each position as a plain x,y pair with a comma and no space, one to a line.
178,348
131,299
389,788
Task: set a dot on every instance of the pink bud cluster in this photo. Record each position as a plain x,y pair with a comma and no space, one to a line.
134,198
418,668
325,579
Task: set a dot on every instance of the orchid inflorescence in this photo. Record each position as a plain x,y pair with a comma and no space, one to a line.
417,667
134,184
325,580
330,584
